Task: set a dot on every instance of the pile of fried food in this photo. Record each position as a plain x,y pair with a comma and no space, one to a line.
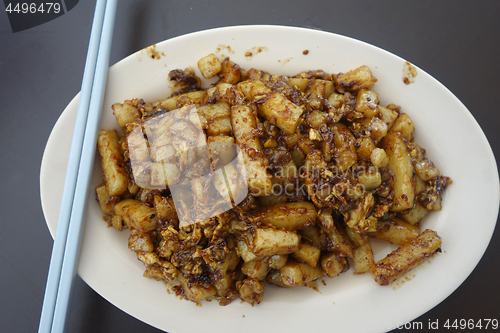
325,168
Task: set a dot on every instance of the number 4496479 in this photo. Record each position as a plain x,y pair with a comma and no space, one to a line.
471,324
25,7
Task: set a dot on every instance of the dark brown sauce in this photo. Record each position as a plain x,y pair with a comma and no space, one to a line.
221,47
255,50
152,53
314,286
284,61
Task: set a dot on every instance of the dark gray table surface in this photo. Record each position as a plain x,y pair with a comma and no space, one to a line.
458,42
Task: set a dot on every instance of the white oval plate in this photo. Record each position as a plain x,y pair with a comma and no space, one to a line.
453,139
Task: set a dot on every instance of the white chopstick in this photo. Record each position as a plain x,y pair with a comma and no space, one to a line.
66,249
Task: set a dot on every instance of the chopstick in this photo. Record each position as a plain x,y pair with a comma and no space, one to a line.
67,242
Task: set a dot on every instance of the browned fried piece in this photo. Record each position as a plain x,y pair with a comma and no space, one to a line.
406,257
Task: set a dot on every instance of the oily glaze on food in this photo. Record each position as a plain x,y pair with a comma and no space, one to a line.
321,167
